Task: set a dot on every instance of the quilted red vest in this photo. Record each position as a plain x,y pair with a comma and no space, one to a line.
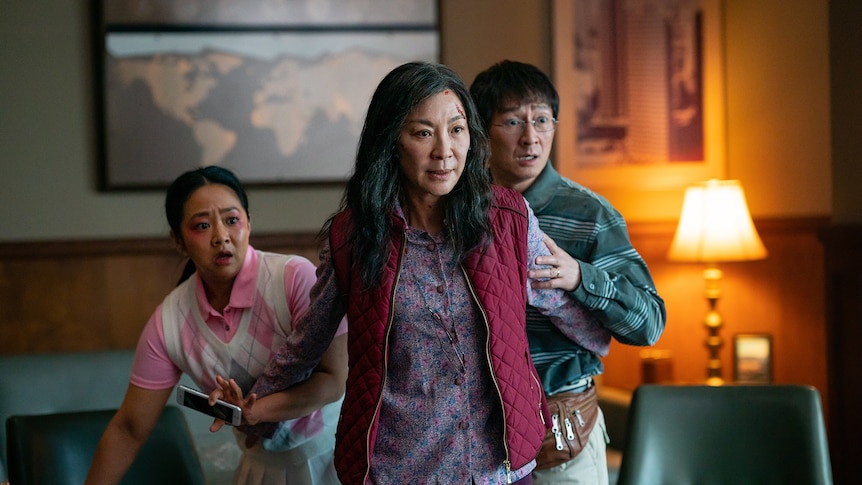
496,277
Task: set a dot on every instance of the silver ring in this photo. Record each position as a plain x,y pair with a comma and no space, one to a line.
557,275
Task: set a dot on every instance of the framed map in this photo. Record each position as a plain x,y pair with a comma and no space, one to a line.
275,91
641,92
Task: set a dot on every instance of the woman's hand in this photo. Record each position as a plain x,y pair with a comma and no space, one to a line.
230,392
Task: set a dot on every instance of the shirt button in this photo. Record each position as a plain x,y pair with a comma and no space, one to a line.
227,328
459,381
463,425
432,247
439,288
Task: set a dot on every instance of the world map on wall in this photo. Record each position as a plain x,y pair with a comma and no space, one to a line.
278,119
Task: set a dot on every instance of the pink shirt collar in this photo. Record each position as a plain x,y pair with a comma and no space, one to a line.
243,290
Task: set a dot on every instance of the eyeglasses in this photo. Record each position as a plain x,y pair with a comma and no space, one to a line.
540,124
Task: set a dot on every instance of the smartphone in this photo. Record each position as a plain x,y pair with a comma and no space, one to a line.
199,401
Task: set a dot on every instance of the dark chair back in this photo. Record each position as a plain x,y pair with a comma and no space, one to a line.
736,434
58,448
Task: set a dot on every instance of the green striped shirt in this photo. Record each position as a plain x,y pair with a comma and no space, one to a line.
616,286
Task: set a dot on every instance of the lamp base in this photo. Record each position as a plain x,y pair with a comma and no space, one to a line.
715,381
713,323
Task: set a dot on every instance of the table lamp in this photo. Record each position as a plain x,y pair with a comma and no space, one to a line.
715,227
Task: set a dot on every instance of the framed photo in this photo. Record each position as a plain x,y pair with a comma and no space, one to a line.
641,92
275,91
752,358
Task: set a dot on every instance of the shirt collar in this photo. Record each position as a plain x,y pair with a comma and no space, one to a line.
244,286
542,191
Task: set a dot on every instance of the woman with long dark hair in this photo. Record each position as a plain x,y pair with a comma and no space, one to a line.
429,262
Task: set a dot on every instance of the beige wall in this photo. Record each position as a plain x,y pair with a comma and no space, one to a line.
777,117
479,33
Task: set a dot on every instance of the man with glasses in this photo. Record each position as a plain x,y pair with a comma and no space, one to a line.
592,257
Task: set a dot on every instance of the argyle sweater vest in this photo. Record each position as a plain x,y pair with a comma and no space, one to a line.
263,328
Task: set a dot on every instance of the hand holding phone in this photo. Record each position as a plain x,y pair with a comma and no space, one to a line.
229,413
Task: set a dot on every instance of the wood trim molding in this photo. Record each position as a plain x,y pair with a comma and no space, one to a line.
148,245
843,262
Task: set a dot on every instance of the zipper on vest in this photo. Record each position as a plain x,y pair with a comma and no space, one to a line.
507,464
541,393
385,363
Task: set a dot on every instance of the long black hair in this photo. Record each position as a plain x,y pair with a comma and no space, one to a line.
376,184
184,186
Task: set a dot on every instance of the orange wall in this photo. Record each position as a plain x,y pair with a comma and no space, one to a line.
776,87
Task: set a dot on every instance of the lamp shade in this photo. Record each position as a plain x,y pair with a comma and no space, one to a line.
715,225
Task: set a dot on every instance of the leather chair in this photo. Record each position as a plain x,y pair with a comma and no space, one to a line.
735,434
58,449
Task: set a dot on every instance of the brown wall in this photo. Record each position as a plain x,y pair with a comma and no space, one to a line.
843,240
844,332
94,295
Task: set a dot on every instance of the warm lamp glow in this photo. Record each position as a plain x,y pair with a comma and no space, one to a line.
715,226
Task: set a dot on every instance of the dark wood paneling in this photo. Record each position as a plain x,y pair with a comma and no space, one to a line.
843,250
94,295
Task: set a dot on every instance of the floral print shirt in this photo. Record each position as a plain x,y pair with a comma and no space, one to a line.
440,419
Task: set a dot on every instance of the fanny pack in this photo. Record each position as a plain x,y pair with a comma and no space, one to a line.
573,416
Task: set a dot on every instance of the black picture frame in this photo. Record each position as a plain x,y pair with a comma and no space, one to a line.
275,91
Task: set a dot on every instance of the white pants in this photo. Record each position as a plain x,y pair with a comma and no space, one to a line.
298,466
309,463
